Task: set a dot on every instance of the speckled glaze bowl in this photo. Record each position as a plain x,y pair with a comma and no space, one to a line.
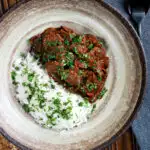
125,82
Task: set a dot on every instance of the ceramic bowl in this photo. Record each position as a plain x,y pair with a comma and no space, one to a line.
125,82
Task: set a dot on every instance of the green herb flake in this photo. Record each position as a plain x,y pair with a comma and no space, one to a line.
99,78
85,63
13,75
51,57
30,77
15,83
91,86
100,42
44,59
66,113
29,97
51,120
66,42
25,71
59,94
71,36
102,93
37,56
67,102
93,108
84,56
82,90
80,72
56,102
91,46
45,85
64,75
59,43
41,103
17,68
61,49
86,102
23,55
69,59
75,50
51,43
81,104
24,84
26,108
77,39
52,86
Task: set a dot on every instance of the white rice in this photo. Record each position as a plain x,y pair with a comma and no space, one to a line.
78,109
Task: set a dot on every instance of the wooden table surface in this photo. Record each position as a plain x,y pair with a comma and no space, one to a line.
125,142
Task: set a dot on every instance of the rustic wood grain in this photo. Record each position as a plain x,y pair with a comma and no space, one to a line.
5,145
1,9
126,142
5,3
11,2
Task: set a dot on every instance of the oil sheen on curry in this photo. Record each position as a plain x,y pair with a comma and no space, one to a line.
79,62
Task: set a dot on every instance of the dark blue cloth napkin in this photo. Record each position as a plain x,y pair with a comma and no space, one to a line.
141,125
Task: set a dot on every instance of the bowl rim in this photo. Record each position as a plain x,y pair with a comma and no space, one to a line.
142,57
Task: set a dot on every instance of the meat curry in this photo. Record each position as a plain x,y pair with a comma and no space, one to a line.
79,62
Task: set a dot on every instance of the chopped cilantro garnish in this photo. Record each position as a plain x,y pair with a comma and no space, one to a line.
85,63
66,113
31,76
67,102
90,46
51,120
66,42
15,83
59,94
99,78
13,75
52,86
29,97
94,107
37,56
80,72
23,55
51,43
17,68
45,59
69,58
84,56
45,85
102,93
75,50
24,83
25,70
80,104
86,102
59,43
100,42
82,90
91,86
41,103
68,84
51,57
56,101
71,36
77,39
26,108
64,75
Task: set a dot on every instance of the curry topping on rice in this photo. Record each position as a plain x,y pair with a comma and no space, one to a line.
79,62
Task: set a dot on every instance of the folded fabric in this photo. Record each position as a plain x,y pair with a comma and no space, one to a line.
141,126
